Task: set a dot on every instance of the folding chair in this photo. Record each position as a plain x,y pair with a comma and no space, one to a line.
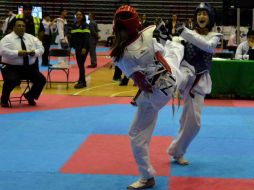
20,98
63,67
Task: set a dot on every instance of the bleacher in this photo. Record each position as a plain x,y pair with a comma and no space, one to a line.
104,9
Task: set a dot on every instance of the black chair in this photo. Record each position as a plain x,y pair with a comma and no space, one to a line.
63,67
251,54
27,87
225,55
232,48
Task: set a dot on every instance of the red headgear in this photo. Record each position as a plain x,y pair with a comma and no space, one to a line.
131,24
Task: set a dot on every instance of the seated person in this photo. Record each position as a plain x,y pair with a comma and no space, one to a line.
220,43
243,50
232,43
19,51
144,22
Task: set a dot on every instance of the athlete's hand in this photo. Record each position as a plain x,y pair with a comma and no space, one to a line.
141,82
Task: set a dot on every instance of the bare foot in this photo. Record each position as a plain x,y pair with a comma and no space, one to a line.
142,184
181,161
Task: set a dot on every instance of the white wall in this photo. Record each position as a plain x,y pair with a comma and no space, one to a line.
105,31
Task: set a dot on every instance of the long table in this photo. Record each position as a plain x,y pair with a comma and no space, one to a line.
232,78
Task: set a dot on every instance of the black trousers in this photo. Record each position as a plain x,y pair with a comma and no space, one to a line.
46,44
81,59
110,41
118,76
92,50
12,75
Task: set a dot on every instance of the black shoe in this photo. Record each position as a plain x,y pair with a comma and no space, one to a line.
5,104
117,80
124,81
80,85
92,66
30,100
142,184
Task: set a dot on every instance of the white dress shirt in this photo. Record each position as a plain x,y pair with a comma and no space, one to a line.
242,50
60,30
11,44
232,40
47,27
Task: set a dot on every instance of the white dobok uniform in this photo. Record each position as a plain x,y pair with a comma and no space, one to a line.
191,116
139,56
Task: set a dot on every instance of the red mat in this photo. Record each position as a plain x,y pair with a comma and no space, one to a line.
191,183
105,53
50,102
111,154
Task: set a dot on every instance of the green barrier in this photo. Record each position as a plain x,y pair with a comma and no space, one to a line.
232,78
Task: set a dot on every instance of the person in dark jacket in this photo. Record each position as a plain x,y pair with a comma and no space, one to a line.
80,36
94,36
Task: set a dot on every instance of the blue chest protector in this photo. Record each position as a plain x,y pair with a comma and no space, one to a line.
198,58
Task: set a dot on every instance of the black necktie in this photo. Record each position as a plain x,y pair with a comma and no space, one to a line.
25,58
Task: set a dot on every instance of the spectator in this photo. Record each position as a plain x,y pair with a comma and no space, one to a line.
62,31
243,50
46,39
172,25
33,25
189,24
94,36
110,40
80,36
144,22
19,51
7,22
232,43
220,43
1,32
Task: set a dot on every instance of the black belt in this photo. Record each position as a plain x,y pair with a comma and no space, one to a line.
156,76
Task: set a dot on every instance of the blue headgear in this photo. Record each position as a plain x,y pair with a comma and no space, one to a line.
211,13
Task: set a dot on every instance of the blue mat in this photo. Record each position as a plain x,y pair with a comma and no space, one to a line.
35,145
56,181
